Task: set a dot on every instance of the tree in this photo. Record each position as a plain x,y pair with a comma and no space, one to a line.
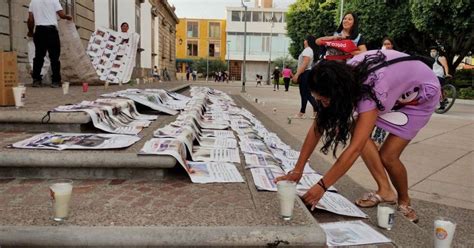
304,17
378,19
285,61
449,24
214,66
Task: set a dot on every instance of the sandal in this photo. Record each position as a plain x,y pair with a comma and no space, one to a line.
371,199
299,116
408,212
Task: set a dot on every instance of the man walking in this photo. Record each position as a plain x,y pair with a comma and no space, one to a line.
43,21
276,79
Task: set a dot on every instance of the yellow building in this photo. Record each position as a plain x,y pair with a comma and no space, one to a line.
199,38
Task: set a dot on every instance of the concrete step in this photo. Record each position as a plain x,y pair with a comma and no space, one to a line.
34,116
16,125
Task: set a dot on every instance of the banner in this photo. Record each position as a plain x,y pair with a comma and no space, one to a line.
113,54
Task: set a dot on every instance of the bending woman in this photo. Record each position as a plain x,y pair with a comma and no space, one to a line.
400,98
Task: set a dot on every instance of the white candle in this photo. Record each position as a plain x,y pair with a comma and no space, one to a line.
385,216
444,229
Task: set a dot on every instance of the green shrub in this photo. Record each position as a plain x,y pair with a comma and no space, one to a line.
466,93
463,78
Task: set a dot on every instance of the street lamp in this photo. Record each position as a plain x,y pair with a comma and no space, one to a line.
270,57
245,45
207,60
228,60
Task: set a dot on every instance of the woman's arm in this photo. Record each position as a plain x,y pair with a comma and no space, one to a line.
444,63
309,144
360,49
364,126
332,37
302,68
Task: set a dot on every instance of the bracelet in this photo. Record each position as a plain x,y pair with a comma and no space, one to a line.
294,172
321,183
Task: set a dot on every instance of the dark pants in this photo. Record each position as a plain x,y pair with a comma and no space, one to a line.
305,93
287,83
276,83
46,39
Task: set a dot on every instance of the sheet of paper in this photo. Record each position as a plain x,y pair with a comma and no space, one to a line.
218,142
338,204
82,141
216,155
351,233
214,172
263,178
165,146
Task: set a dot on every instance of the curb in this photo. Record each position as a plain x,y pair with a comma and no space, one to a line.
161,236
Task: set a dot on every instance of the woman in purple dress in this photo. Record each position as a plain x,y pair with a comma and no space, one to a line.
352,99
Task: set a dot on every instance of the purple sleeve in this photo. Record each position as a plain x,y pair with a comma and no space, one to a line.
366,105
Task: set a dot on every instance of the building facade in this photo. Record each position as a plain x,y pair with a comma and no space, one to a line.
199,38
154,20
266,38
13,28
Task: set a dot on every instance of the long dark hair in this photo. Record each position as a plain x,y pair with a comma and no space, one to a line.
355,27
344,86
311,39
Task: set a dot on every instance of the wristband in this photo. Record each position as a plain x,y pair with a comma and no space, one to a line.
323,186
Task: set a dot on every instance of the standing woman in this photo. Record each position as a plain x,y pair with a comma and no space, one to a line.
305,61
287,75
400,97
348,29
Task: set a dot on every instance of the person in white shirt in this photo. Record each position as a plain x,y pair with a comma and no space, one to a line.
305,62
43,27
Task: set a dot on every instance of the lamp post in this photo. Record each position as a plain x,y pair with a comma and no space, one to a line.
228,60
207,61
270,57
245,46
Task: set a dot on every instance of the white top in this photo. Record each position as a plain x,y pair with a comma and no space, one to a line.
438,69
307,52
44,12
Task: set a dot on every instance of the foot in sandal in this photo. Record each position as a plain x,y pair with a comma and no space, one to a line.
300,116
408,212
372,199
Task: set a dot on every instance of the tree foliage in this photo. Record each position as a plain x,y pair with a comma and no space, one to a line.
414,25
449,23
285,61
214,66
305,17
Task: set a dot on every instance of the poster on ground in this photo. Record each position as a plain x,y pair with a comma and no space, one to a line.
82,141
351,233
214,172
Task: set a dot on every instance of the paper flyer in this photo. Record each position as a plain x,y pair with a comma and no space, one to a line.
214,172
82,141
351,233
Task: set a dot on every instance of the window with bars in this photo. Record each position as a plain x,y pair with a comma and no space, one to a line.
192,47
192,28
214,30
68,6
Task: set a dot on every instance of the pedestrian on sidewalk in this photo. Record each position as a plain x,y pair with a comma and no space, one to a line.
287,75
276,78
43,27
259,80
343,89
305,61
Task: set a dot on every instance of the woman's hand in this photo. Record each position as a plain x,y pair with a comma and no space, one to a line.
312,197
294,176
295,78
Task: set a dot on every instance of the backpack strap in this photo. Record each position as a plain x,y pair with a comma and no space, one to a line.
393,61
